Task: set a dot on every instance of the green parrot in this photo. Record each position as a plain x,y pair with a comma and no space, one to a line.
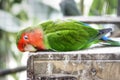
61,35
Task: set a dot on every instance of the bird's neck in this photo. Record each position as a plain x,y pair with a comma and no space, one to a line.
37,39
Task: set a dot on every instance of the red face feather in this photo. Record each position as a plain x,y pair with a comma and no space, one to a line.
33,38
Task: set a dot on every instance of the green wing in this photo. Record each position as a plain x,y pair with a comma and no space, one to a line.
67,35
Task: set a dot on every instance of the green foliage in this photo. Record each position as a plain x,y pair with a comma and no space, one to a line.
102,7
9,25
3,50
17,1
22,15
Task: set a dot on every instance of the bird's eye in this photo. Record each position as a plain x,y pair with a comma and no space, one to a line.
25,37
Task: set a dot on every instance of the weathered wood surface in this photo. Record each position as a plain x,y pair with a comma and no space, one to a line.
43,67
96,63
96,19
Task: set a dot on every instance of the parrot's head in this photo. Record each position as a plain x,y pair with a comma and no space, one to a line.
30,39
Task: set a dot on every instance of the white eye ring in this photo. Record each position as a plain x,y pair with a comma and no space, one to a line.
25,37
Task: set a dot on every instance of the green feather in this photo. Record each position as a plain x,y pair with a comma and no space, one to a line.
112,43
67,35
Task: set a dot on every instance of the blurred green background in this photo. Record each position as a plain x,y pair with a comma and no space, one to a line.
18,14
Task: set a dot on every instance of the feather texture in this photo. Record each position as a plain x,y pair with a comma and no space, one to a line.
68,35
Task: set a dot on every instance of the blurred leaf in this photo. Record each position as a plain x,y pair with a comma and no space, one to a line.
100,7
96,7
22,15
113,3
8,22
82,6
17,1
112,6
69,8
40,10
15,76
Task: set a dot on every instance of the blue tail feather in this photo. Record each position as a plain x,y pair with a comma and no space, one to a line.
105,38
